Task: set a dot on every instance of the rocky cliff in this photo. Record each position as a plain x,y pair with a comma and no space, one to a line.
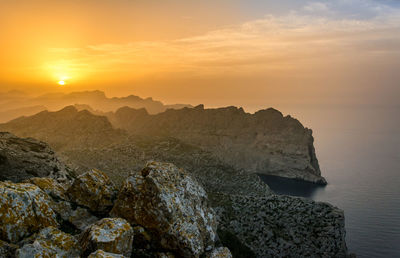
265,142
161,210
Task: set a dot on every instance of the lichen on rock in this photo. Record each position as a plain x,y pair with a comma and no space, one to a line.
220,252
93,190
171,205
102,254
50,242
50,186
114,235
24,209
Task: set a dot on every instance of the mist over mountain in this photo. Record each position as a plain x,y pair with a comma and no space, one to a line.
14,104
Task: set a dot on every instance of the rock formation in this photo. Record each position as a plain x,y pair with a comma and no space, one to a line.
283,226
176,210
264,142
93,190
114,235
22,159
24,209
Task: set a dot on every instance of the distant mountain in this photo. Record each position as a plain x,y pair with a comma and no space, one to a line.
14,104
67,128
265,142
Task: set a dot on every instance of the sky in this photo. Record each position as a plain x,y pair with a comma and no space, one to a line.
249,53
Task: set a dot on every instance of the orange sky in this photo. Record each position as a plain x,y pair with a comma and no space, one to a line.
246,53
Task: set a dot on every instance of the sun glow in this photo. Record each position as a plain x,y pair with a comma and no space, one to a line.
61,83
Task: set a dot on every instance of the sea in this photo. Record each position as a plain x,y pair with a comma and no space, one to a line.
359,154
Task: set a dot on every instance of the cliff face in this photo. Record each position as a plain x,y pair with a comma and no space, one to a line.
265,142
160,211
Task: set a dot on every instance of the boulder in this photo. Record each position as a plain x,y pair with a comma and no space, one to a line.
23,158
220,252
93,190
24,209
171,206
78,217
50,186
50,242
114,235
102,254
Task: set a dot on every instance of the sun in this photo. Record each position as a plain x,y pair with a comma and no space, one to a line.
61,83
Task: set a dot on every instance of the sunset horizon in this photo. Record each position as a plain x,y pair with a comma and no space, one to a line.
199,129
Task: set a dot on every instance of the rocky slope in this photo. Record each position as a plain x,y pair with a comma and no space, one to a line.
265,142
21,159
169,216
164,209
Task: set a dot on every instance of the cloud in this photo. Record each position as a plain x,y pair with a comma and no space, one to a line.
295,41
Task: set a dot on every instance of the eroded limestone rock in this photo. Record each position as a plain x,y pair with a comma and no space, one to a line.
24,209
283,226
23,158
171,205
93,190
50,186
220,252
50,242
114,235
102,254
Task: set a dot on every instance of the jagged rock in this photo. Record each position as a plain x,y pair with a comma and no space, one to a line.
114,235
283,226
50,242
93,190
220,252
79,217
24,209
265,142
23,158
102,254
7,250
171,205
50,186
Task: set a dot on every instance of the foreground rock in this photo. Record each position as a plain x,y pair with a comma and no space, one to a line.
102,254
221,252
21,159
50,242
113,235
283,226
24,209
173,207
93,190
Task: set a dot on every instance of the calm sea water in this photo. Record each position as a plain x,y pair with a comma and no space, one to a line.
359,155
